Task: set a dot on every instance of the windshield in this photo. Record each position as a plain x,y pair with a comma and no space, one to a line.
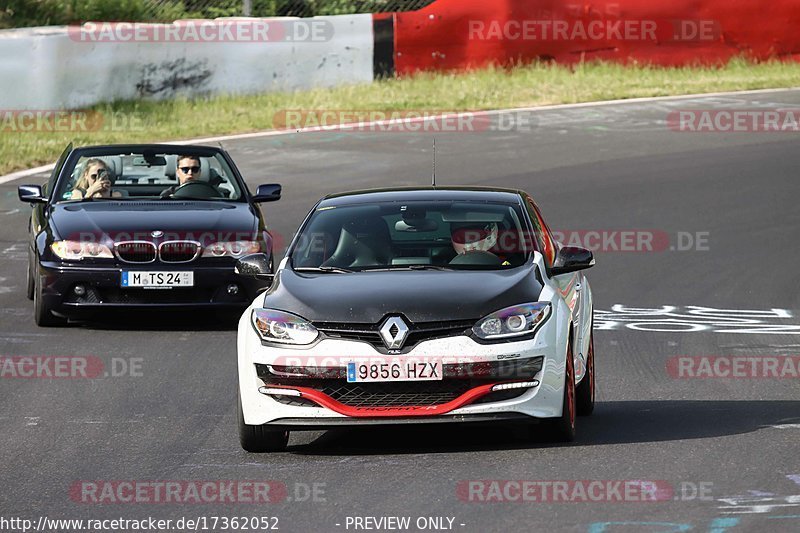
149,176
447,235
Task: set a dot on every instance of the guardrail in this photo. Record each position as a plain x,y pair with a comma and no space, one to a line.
463,34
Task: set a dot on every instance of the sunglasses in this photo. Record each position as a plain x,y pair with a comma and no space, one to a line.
193,170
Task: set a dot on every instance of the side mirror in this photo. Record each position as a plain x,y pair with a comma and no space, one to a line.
255,266
572,259
267,193
31,194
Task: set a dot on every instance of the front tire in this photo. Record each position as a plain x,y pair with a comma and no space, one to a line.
586,389
29,285
259,439
42,314
563,427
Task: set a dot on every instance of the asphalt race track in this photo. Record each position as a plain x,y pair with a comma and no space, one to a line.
726,447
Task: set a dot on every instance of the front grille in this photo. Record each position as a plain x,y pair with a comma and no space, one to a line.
397,394
384,394
178,251
458,379
136,251
419,332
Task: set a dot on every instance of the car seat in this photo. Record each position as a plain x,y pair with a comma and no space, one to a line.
363,242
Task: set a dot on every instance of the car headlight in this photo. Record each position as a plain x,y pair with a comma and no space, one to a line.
282,327
512,321
77,251
232,249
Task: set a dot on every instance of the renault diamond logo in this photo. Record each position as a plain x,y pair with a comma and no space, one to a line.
394,332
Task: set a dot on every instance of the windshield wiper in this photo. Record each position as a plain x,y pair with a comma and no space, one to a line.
428,267
410,267
325,269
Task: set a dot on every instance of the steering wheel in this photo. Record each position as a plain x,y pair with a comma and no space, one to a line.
196,189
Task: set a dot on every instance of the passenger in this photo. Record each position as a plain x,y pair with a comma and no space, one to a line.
95,182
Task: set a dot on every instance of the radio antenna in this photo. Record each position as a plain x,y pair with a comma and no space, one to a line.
433,176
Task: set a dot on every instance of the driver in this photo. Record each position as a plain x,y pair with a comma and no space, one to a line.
475,243
188,170
474,238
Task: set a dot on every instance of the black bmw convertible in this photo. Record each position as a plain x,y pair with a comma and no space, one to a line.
143,226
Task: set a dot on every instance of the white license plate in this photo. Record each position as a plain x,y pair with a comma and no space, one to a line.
370,371
138,278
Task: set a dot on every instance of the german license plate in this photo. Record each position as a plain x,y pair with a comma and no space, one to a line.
139,278
371,371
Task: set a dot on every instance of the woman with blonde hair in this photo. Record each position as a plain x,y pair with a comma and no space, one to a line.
95,181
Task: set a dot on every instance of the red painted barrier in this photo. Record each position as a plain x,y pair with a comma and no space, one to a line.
463,34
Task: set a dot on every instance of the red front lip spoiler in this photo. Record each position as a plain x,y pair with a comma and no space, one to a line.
377,412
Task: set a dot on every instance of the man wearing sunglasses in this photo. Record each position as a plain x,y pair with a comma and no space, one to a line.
188,170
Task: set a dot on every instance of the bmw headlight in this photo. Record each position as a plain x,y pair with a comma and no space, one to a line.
512,321
77,251
232,249
282,327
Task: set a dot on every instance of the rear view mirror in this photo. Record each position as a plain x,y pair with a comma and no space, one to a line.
572,259
31,194
150,160
268,193
423,225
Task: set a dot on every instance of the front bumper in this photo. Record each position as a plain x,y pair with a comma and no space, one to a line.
103,291
456,398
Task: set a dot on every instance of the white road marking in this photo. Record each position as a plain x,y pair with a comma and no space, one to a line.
5,289
690,319
32,420
758,502
16,252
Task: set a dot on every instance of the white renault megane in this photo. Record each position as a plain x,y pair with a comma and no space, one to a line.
417,305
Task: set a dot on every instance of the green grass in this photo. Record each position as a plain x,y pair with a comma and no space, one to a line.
484,89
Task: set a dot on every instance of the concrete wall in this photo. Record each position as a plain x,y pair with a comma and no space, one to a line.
51,68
